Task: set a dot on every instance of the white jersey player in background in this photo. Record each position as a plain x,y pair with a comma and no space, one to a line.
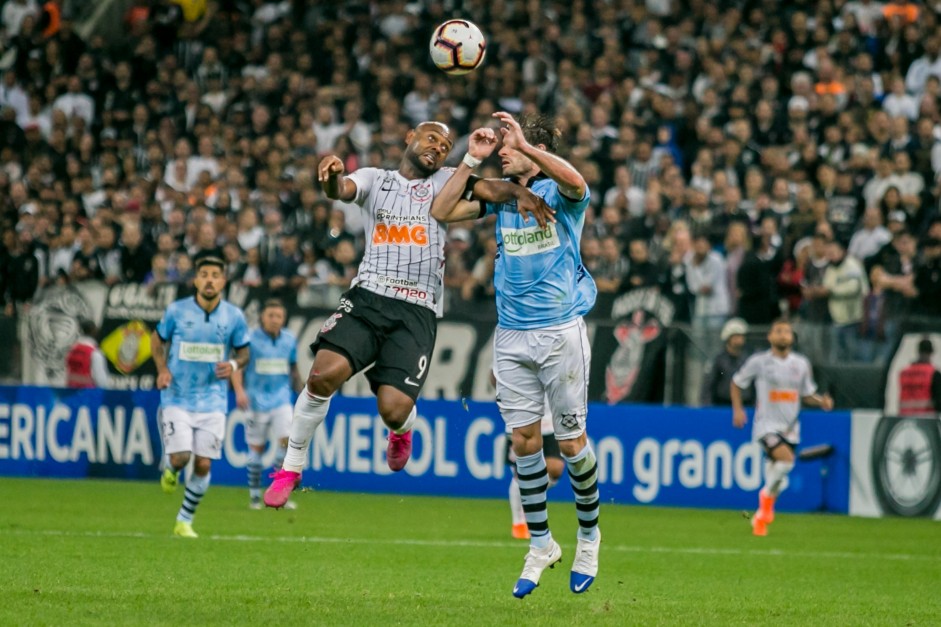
783,380
389,316
541,347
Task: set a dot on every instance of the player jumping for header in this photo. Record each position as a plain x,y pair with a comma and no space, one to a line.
541,347
389,315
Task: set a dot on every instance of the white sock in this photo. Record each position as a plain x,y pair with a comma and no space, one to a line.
407,425
309,411
516,503
776,476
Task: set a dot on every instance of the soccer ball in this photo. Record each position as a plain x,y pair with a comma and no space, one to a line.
457,47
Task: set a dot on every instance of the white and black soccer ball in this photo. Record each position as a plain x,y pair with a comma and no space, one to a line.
457,47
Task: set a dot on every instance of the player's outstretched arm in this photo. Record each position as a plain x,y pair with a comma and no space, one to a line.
571,183
452,203
335,185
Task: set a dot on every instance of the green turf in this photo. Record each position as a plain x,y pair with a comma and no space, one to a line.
100,552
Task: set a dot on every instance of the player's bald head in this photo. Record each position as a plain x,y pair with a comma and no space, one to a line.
438,127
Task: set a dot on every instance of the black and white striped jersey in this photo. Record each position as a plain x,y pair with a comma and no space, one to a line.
404,256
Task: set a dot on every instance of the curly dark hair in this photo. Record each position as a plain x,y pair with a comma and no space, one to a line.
540,129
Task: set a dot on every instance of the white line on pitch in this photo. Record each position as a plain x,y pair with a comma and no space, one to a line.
482,544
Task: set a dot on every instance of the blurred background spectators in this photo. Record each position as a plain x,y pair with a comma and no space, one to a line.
747,158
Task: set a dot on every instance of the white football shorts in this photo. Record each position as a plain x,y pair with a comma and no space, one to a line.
196,432
532,367
274,423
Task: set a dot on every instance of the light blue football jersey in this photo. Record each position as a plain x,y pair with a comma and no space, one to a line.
539,277
198,341
268,374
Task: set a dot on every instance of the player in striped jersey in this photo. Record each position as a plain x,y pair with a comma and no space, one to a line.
541,348
783,379
389,316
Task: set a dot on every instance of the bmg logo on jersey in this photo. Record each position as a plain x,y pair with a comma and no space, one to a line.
530,240
400,235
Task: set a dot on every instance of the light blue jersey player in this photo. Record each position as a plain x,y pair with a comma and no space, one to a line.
541,348
192,348
265,391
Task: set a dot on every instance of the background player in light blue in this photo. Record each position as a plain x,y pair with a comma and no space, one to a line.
541,344
191,347
265,390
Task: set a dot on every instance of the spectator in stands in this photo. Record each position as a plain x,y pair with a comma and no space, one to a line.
61,251
869,239
339,267
479,285
846,286
85,364
705,275
790,279
22,272
282,274
641,272
159,270
756,278
230,112
717,383
928,280
136,255
611,266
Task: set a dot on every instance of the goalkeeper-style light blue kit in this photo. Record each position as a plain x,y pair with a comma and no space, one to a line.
198,341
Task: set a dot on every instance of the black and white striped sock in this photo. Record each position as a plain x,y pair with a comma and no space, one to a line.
533,480
196,488
583,474
254,474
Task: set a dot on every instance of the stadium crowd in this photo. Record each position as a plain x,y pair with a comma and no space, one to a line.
747,158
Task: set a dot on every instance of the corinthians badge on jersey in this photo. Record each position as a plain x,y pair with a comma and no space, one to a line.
421,192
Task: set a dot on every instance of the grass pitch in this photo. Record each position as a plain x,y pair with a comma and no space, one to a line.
101,552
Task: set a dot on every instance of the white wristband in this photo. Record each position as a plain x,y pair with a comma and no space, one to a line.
234,364
471,162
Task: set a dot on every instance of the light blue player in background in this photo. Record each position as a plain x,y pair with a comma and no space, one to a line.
265,389
541,347
192,348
